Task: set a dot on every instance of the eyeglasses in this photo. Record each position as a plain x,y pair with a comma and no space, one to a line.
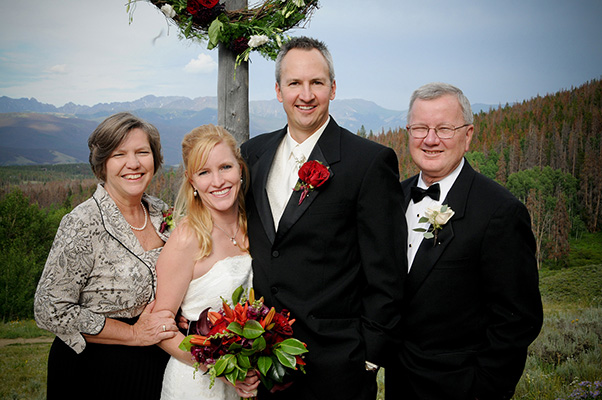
442,131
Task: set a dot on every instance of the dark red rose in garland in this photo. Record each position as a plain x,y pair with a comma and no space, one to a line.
209,3
312,174
204,11
239,45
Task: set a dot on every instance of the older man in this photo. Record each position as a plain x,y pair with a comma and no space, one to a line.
472,304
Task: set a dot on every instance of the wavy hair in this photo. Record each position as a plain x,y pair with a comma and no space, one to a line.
196,146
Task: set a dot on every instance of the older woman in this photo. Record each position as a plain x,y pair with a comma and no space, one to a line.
97,289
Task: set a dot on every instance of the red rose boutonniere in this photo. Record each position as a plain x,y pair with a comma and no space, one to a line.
167,223
312,174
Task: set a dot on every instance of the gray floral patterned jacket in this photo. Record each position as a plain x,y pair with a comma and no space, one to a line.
96,269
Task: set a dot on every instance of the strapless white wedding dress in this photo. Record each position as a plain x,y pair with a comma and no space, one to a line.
180,381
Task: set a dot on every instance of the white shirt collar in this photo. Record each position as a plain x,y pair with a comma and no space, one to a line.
446,183
308,144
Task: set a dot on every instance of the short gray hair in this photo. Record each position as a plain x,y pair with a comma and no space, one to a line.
434,90
304,43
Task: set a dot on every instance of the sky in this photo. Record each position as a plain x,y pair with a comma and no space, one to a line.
497,52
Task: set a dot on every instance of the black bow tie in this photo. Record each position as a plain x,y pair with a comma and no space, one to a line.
418,193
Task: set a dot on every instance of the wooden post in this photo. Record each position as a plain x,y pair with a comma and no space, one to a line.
233,88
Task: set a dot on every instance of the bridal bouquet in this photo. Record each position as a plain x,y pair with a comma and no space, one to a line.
246,336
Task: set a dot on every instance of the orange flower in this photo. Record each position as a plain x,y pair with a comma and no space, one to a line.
240,312
268,318
199,340
214,316
228,312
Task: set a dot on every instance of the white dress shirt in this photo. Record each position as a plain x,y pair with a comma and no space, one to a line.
417,210
283,176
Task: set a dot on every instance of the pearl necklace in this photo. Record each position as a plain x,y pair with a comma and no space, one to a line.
233,238
145,219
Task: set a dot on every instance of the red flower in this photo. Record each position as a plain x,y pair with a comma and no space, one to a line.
195,6
209,3
312,174
281,324
239,45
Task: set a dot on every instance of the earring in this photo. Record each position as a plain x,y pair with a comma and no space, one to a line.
195,193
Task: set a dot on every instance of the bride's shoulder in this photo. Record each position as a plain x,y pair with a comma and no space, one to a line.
183,235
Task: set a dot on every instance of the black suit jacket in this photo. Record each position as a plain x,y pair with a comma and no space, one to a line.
336,261
472,304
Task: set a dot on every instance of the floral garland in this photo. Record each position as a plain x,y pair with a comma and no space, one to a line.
258,28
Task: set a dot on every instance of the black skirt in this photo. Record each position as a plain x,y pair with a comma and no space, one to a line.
104,371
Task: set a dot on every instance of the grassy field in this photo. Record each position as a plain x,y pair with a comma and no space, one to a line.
567,352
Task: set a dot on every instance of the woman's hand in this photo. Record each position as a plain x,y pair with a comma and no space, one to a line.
248,387
153,327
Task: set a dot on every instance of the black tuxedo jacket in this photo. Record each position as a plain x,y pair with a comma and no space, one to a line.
336,261
472,304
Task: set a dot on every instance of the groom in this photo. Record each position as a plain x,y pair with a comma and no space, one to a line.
332,254
471,302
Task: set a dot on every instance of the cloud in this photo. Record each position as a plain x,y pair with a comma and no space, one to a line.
59,69
203,64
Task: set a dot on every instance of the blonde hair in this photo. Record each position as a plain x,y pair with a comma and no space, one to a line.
196,146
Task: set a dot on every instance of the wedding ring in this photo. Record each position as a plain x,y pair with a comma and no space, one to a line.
164,328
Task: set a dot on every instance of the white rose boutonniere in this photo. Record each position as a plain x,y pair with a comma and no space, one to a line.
437,217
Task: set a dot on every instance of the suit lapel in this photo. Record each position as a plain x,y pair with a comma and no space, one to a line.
327,151
259,178
407,192
430,252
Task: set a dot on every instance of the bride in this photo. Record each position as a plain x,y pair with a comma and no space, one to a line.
206,256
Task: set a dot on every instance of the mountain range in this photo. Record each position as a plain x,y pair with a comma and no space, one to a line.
36,133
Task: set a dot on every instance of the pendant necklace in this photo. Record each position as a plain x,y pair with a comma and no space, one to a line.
233,238
145,219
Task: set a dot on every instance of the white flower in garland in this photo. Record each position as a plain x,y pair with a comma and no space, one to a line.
258,28
258,40
168,11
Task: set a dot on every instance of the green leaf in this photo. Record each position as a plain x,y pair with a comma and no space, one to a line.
252,329
232,375
259,344
237,294
277,371
232,363
288,360
422,220
243,361
292,346
234,347
242,374
220,365
419,230
263,364
429,235
444,208
214,31
186,345
247,352
236,328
